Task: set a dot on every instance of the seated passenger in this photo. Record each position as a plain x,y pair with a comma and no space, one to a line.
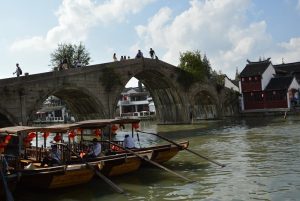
54,157
95,149
128,142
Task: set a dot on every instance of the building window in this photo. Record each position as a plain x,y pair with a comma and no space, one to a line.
250,78
243,79
274,92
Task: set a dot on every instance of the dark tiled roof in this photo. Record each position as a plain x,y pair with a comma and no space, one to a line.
289,68
235,82
278,83
255,68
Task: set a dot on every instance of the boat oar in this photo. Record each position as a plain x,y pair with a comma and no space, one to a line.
151,161
191,151
8,194
97,172
138,137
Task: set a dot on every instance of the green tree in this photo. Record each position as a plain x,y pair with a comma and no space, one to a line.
206,66
72,53
197,66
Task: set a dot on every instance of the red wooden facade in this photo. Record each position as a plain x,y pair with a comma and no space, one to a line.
252,83
265,99
277,92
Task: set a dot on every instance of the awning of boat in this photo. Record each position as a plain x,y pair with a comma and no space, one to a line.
17,129
97,123
57,128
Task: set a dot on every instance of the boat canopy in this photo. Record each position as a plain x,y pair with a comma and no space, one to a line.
19,129
59,128
95,123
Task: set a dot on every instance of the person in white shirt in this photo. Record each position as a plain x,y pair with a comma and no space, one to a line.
128,142
95,149
54,158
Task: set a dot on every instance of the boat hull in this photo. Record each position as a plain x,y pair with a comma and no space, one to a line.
12,180
56,177
163,153
127,165
115,165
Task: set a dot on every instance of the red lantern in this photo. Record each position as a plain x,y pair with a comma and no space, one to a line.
7,139
27,141
78,130
57,138
46,135
32,135
135,125
71,134
114,128
98,132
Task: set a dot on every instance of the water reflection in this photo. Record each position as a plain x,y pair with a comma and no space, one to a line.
261,154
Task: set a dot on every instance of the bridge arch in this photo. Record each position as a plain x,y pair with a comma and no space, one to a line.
204,101
169,101
82,103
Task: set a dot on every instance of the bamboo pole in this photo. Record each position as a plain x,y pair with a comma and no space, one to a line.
97,172
191,151
152,162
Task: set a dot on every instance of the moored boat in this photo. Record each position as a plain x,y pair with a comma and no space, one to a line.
32,174
160,153
110,165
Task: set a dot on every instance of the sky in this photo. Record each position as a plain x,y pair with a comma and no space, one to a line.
228,32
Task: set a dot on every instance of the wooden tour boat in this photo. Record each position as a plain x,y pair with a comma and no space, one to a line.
160,153
74,140
29,166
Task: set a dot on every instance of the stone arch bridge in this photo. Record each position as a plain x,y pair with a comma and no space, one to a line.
93,91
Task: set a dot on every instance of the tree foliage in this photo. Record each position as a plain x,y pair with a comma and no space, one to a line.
72,53
198,66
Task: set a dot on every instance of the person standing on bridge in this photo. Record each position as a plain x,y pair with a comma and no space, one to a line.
139,55
115,57
152,53
18,70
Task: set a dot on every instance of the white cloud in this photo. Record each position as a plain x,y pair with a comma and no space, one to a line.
218,28
287,51
76,17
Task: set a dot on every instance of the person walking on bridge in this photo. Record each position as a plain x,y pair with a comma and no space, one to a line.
18,70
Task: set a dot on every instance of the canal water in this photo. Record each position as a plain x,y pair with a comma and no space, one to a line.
262,157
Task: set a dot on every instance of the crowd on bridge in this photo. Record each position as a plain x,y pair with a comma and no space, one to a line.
64,63
138,55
